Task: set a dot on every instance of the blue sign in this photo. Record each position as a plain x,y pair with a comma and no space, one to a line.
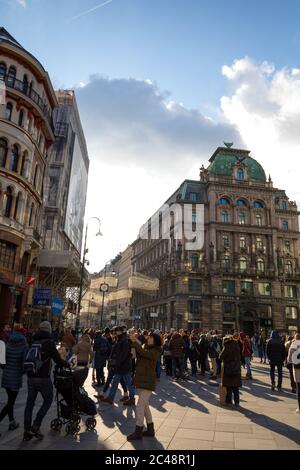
42,297
57,306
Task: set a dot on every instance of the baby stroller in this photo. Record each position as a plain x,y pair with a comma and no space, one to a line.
72,401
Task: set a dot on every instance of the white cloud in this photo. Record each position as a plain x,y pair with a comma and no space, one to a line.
264,106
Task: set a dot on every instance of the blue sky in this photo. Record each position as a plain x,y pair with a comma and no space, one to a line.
180,44
163,83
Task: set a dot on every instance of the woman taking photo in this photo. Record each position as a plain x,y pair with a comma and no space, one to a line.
145,382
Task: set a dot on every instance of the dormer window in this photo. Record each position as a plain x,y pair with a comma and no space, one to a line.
193,196
240,174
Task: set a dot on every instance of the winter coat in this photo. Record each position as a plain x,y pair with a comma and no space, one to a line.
84,350
276,351
193,348
145,374
49,353
177,346
2,352
213,348
69,340
246,351
203,347
295,347
16,350
101,351
231,355
120,356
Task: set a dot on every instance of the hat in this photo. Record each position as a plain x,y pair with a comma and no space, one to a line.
157,332
46,326
119,328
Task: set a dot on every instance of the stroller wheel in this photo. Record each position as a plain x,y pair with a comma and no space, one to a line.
56,424
91,423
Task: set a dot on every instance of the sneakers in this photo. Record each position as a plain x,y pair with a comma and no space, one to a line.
13,425
27,436
273,387
279,388
37,433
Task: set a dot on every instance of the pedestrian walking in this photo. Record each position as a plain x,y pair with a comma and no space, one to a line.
84,351
38,364
276,354
167,354
101,355
145,383
193,352
203,353
231,372
121,364
213,352
246,353
177,348
289,365
294,359
16,350
261,347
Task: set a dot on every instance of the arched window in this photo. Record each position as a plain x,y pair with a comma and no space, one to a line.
25,84
30,92
240,175
241,203
36,176
260,265
8,202
31,215
2,71
21,118
8,111
285,225
11,76
195,262
258,219
289,267
224,217
243,264
242,218
29,125
14,159
18,206
258,205
24,166
224,201
226,262
3,152
283,205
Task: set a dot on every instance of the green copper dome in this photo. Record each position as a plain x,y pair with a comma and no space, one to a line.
223,161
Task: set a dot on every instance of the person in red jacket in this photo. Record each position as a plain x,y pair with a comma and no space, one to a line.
246,353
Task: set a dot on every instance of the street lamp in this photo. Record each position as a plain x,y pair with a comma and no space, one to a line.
85,251
104,287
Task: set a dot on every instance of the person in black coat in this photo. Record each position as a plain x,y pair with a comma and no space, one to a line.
16,350
121,363
276,354
231,373
40,382
102,351
203,352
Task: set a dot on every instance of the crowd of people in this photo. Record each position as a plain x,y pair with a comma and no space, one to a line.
135,358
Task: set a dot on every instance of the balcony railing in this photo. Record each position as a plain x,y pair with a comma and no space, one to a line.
30,93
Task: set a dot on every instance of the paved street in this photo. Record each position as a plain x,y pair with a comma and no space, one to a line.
187,416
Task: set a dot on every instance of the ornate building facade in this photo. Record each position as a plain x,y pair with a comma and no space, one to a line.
26,133
247,275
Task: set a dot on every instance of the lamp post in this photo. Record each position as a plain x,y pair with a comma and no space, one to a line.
85,251
104,288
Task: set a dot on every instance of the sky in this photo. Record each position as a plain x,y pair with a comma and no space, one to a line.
160,84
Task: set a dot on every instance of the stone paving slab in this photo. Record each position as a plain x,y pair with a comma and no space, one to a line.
187,416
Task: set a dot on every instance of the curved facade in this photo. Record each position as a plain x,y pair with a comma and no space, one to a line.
26,133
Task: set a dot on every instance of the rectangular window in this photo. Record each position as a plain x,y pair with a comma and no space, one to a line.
246,288
173,286
287,246
195,285
291,313
194,310
229,287
49,222
193,196
290,292
225,241
228,308
7,255
264,288
242,242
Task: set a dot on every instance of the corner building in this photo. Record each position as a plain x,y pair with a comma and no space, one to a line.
26,133
247,276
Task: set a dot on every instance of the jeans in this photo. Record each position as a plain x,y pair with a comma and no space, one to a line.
272,373
9,407
178,363
262,353
128,383
236,394
248,365
45,388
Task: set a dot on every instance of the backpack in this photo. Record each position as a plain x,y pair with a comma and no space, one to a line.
33,361
232,368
